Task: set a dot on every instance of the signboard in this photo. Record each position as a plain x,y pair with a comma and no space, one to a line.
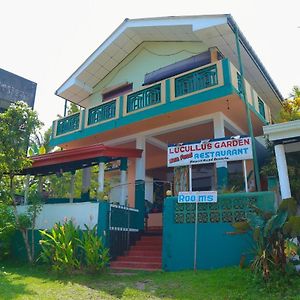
197,197
15,88
210,151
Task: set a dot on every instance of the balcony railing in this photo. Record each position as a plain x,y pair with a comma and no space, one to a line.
196,81
102,112
144,98
165,92
68,124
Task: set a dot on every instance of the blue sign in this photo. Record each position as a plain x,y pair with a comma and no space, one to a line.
198,197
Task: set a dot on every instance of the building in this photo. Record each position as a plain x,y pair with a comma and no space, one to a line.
163,81
14,88
159,82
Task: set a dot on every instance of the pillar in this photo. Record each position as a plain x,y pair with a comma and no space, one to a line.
123,180
221,167
282,171
140,166
86,183
101,177
140,175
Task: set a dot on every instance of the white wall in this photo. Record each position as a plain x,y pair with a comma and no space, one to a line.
80,213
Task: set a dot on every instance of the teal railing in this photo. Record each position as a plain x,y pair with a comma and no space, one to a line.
68,124
196,81
102,112
239,82
144,98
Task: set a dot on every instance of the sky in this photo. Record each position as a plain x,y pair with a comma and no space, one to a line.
47,40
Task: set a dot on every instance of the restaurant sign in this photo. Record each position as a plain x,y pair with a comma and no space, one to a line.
210,151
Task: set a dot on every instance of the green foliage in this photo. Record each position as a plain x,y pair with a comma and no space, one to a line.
96,256
292,227
271,232
60,247
17,124
73,108
7,229
24,222
289,205
291,107
66,248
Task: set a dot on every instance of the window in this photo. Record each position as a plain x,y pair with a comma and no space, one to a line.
261,108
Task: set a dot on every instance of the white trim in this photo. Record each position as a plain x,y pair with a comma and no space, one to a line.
123,229
157,143
283,131
197,23
124,207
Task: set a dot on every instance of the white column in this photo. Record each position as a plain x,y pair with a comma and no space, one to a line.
282,172
123,186
101,177
72,187
140,165
219,132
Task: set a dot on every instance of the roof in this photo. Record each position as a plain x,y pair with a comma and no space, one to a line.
287,132
213,30
78,158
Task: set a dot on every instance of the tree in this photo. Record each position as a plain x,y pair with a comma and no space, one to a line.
17,124
291,107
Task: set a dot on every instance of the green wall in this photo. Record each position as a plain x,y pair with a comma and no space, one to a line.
147,57
215,247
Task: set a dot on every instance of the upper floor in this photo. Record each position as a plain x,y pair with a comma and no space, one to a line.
151,72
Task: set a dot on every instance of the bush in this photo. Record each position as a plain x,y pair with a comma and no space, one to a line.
66,248
272,233
7,229
60,247
96,256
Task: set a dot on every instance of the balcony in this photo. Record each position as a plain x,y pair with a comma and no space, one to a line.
209,82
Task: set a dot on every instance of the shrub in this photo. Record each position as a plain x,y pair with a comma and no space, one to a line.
66,248
272,233
96,256
60,247
7,229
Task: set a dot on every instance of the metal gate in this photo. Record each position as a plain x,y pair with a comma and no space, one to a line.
123,228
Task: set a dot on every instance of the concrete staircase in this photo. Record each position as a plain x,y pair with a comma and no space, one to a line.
144,255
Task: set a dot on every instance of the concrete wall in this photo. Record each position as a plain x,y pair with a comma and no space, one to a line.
80,213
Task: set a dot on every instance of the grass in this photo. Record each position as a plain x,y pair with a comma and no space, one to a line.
24,282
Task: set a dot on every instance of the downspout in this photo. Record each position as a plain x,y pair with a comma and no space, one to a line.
249,122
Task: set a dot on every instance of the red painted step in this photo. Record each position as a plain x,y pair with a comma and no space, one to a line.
144,255
135,265
156,259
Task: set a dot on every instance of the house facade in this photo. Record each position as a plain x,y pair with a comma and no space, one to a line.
162,81
172,81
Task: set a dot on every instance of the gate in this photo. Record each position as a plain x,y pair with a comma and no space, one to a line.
123,229
215,247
